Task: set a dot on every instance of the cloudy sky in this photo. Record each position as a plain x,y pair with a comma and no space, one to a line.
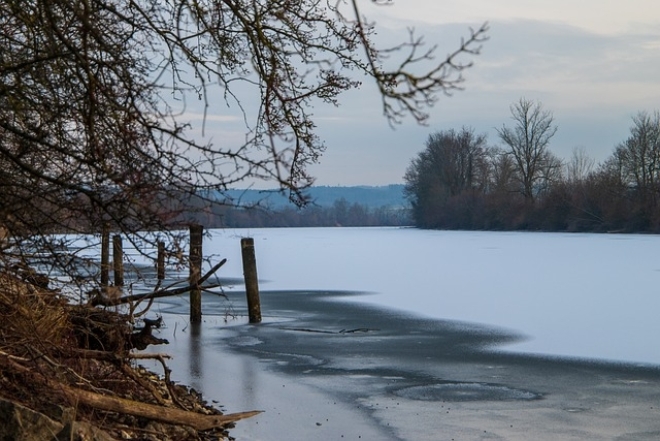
593,63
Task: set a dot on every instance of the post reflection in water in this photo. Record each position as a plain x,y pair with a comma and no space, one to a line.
195,356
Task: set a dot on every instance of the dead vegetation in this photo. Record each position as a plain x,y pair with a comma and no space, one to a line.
75,364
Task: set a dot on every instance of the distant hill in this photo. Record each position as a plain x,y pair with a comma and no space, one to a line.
324,196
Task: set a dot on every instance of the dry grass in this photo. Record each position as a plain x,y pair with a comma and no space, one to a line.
31,317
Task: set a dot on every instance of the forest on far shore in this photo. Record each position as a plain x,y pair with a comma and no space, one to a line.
460,182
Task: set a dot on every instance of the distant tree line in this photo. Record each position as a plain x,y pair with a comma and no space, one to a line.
460,182
340,213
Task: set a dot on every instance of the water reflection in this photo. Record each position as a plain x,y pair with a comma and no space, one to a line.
195,361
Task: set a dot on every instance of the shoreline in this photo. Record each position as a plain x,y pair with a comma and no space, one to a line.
68,372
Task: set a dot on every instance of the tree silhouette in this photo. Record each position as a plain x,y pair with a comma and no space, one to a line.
528,144
93,95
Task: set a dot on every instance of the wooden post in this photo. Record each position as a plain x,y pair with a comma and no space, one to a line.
251,281
105,254
118,260
196,235
161,260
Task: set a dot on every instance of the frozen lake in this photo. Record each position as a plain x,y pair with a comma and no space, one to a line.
453,335
574,295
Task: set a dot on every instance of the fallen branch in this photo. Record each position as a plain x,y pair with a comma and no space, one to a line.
107,356
100,300
168,415
158,413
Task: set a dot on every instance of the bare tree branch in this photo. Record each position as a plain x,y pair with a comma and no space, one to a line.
94,93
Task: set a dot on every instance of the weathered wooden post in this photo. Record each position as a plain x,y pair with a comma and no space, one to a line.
105,254
251,281
161,260
196,236
118,260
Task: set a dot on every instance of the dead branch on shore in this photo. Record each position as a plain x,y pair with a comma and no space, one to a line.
158,413
99,300
197,421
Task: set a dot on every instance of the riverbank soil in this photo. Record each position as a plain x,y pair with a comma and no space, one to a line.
69,372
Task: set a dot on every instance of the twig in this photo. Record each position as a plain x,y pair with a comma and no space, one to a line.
149,356
14,357
99,300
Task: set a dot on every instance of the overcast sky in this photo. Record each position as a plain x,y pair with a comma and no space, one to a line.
593,63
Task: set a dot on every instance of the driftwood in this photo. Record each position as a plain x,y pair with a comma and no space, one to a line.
99,300
169,415
112,357
197,421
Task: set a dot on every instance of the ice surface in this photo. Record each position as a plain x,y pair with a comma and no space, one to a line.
465,392
291,409
578,295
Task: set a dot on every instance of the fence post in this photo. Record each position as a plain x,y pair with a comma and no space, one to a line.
118,260
196,236
105,254
251,281
161,260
